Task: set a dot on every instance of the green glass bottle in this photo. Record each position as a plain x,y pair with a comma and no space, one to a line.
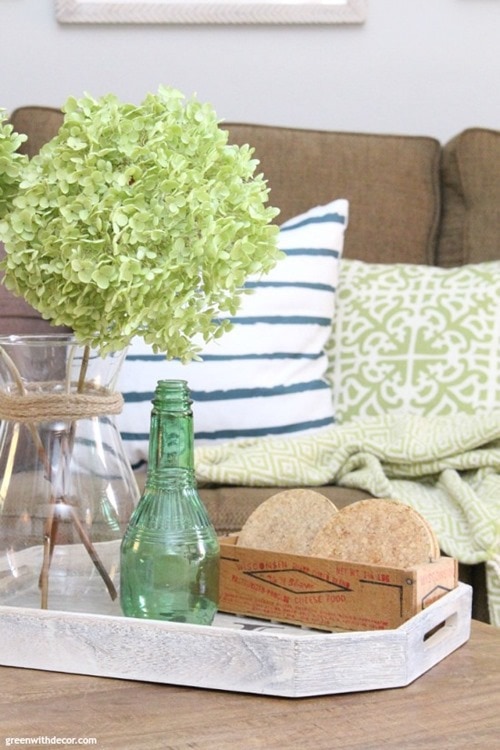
170,551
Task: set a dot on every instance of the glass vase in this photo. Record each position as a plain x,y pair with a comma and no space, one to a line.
66,487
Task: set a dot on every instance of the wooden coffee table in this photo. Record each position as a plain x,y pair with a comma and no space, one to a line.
454,705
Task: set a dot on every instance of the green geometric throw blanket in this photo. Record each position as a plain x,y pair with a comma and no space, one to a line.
447,468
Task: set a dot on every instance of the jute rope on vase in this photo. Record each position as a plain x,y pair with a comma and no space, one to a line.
94,401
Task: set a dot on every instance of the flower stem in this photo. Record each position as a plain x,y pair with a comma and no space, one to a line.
93,554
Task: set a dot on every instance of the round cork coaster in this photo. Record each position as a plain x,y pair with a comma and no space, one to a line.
378,531
287,521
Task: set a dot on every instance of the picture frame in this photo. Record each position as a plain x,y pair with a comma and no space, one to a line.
211,11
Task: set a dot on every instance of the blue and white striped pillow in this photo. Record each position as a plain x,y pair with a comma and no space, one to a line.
267,375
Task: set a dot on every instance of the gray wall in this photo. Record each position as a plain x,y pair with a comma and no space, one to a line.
427,67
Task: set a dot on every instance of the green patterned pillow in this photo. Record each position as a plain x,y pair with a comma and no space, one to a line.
415,339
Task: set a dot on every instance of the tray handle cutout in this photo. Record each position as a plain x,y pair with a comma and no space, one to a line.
435,635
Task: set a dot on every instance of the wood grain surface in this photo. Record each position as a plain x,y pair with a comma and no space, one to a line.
454,705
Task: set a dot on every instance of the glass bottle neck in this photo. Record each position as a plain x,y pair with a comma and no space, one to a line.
171,442
171,436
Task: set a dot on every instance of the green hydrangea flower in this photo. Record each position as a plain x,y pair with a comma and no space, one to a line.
139,220
11,163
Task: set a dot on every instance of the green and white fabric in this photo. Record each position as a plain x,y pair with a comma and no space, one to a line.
266,376
415,339
447,468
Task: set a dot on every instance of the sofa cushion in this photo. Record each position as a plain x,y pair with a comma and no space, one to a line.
17,317
471,209
391,182
267,375
416,339
40,124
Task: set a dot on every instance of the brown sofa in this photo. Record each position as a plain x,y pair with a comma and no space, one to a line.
411,200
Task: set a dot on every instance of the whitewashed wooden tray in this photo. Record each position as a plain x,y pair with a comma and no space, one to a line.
238,654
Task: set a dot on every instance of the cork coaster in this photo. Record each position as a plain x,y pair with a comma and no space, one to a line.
377,532
287,521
